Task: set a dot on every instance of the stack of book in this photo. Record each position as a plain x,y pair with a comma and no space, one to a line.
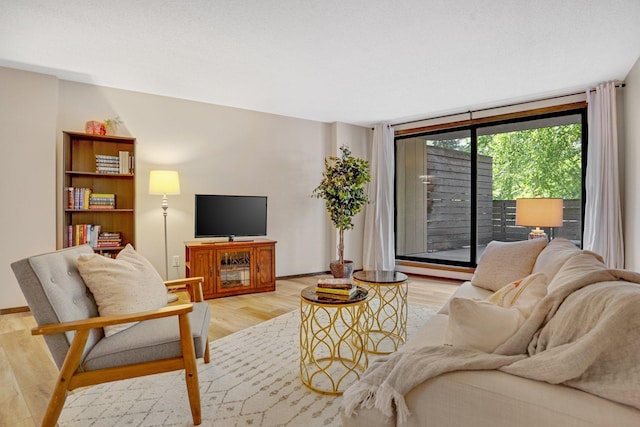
107,164
341,289
122,163
109,239
102,201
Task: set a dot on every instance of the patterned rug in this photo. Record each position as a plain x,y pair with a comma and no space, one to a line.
252,380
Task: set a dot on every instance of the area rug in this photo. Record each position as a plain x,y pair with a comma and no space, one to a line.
252,380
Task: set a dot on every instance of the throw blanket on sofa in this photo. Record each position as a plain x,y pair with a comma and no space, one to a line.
585,334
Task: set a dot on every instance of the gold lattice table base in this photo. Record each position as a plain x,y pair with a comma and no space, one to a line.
385,320
331,342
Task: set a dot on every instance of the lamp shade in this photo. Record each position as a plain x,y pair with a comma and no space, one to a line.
539,212
164,182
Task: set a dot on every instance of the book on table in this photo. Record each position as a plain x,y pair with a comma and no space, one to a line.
336,287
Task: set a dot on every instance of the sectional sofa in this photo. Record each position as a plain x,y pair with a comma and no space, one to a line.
543,335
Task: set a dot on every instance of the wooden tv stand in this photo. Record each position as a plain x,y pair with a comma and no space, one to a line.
232,268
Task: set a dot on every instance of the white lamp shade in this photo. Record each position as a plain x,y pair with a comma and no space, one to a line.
164,182
539,212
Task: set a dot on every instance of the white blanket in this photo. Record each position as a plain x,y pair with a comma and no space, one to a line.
585,334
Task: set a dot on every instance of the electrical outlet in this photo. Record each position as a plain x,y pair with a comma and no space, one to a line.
176,261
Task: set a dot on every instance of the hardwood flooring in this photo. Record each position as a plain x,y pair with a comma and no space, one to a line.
27,372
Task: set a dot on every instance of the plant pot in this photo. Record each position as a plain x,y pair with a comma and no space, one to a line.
341,270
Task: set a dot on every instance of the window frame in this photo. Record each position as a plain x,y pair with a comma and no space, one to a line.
472,125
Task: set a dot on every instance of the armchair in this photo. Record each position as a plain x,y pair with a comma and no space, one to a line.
167,339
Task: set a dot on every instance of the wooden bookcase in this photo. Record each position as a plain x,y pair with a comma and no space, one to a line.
82,172
232,268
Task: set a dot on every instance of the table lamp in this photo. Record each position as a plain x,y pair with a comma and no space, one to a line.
538,213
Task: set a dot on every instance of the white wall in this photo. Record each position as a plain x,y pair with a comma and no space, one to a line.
28,109
217,150
631,199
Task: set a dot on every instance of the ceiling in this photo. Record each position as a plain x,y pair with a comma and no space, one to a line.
353,61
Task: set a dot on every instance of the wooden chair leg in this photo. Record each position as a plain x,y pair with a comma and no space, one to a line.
190,368
69,367
207,357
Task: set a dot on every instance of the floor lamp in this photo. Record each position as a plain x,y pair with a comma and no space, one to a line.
164,183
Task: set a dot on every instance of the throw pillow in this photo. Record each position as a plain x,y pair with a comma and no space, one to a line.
480,325
504,262
522,294
553,257
124,285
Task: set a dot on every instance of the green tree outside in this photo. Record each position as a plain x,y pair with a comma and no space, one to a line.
543,162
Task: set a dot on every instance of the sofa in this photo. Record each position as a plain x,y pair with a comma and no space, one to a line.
542,335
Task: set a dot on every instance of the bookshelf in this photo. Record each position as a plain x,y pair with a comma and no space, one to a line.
98,191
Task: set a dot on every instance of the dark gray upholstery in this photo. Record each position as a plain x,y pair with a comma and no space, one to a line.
56,293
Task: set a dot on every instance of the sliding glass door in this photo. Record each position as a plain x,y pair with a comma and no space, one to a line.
456,189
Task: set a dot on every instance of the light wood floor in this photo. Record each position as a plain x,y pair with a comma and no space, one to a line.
27,372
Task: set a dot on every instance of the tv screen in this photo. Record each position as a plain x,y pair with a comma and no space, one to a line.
220,215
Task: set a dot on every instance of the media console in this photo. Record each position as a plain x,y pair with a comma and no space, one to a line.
232,268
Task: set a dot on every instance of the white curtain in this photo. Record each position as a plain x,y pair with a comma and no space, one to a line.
378,245
603,218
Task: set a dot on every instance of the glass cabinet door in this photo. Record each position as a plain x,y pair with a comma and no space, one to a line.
234,269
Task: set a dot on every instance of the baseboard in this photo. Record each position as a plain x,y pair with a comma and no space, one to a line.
13,310
295,276
435,270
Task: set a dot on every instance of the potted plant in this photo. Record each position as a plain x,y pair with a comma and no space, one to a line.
343,190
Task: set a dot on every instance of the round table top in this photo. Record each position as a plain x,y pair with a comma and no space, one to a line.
380,276
309,293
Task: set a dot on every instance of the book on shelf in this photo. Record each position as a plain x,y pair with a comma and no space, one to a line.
109,239
84,198
80,234
102,201
120,164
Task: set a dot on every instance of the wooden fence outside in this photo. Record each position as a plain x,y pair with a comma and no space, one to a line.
505,229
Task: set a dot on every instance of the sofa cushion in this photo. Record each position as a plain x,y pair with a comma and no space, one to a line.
154,339
504,262
485,324
466,290
480,325
522,294
124,285
553,257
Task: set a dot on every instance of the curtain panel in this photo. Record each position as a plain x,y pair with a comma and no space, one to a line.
603,217
379,243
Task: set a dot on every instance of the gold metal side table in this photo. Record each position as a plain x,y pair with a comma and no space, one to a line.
385,322
332,355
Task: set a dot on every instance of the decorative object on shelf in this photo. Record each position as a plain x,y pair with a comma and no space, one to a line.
95,127
165,183
538,213
343,190
111,125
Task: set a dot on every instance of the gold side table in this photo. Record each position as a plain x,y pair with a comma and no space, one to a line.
332,355
385,322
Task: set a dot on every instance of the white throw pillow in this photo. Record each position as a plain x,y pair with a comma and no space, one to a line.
553,257
124,285
522,294
504,262
480,325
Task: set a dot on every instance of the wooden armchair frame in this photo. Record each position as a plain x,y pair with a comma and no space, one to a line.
70,378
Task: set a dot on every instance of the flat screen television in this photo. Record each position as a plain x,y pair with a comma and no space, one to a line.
229,216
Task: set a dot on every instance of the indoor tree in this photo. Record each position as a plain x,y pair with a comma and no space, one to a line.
343,190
